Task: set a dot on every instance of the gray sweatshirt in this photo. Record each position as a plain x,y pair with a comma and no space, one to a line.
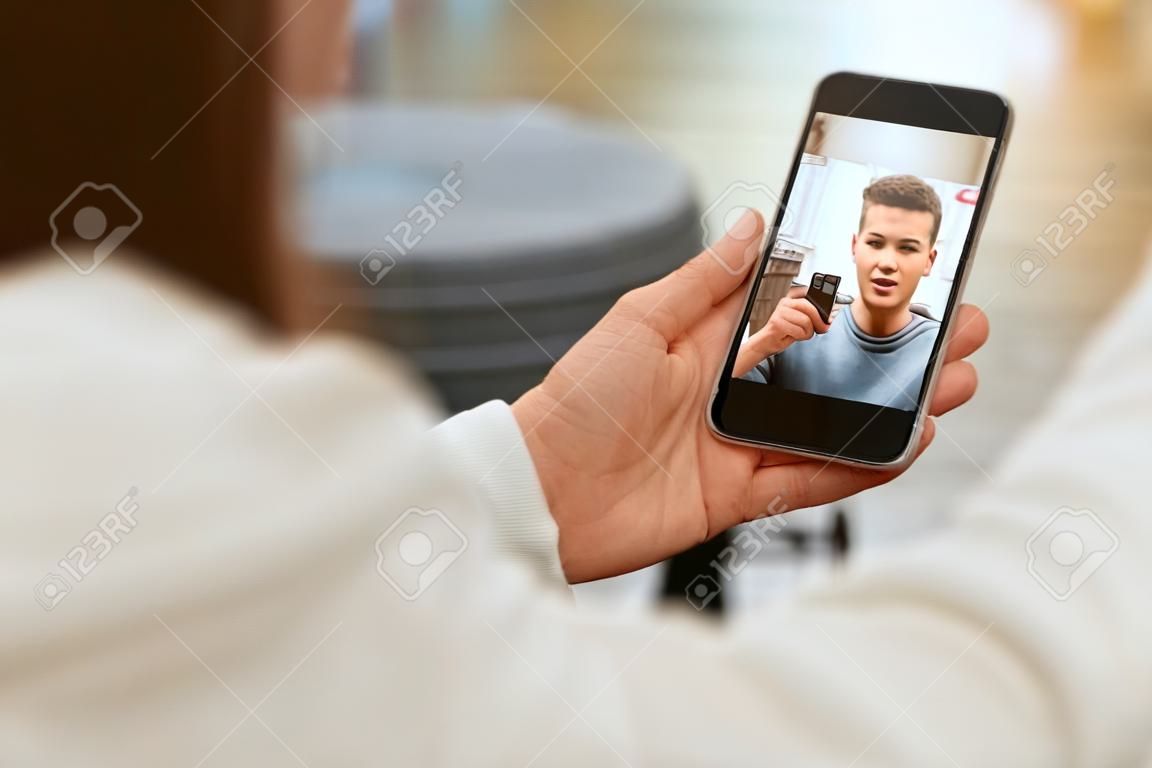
847,363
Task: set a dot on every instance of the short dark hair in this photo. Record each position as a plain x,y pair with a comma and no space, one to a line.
904,191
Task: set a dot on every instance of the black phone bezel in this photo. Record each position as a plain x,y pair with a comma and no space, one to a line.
846,429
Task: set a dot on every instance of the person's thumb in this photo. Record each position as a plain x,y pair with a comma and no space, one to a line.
677,302
739,248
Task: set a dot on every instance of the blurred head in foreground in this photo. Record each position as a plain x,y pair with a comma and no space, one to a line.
153,112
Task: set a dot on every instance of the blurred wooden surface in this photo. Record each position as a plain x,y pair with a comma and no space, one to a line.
724,86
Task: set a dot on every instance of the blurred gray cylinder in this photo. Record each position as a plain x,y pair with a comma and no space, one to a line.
479,238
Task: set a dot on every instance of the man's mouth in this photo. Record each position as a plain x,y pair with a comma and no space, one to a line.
883,285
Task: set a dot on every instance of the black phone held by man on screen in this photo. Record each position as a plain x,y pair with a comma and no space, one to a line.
822,294
881,214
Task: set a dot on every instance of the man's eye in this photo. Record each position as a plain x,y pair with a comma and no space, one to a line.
910,249
876,243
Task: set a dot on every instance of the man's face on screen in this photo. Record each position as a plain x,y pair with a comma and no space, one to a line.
892,251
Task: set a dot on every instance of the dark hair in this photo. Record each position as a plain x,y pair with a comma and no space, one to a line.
138,95
904,191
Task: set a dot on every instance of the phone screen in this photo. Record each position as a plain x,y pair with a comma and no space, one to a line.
886,207
873,231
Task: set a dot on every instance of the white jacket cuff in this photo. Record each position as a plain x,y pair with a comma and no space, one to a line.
486,447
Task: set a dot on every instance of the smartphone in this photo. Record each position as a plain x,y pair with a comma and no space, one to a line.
882,211
822,294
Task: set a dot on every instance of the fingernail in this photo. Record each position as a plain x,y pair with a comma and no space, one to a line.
745,227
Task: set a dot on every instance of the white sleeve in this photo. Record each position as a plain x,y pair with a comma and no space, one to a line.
487,449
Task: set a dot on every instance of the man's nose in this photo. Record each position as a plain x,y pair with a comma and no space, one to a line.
887,260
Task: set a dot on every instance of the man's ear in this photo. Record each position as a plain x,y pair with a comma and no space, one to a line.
854,236
931,261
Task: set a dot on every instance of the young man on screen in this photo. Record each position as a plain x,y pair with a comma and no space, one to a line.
877,350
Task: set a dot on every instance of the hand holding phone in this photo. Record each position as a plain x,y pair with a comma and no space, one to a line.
631,472
796,318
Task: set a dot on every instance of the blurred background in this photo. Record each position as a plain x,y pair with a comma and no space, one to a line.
506,168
